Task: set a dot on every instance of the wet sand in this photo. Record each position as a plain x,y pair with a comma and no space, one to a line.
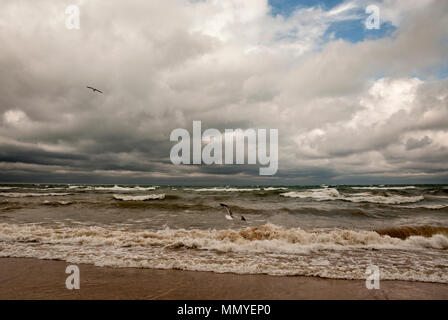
23,278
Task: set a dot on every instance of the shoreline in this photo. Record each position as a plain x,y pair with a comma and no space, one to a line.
30,278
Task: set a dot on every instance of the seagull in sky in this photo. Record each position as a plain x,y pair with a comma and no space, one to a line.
94,89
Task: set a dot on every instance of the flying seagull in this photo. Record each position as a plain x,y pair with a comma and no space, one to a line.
229,215
94,89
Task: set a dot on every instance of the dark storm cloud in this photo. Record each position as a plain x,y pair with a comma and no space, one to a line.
416,144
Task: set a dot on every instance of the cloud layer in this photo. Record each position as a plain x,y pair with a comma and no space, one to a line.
371,111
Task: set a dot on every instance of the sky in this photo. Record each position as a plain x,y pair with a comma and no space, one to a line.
352,105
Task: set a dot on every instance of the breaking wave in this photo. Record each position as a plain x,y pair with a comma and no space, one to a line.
57,203
224,189
427,206
140,198
328,194
406,232
267,249
384,188
125,189
24,195
216,189
264,238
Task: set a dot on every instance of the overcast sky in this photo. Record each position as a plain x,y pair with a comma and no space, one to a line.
351,105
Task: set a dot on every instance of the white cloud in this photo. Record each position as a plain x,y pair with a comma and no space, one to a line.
15,117
384,99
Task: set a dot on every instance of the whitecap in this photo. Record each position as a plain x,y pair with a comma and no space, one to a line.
125,189
23,195
139,198
329,194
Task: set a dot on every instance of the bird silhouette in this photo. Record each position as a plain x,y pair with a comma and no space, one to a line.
94,89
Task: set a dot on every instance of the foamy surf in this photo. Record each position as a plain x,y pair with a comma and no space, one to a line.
329,194
124,189
62,203
24,195
224,189
236,189
427,206
139,198
384,188
267,249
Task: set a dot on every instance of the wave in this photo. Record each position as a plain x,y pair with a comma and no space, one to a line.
329,194
388,199
224,189
440,197
427,206
406,231
216,189
140,198
57,203
268,249
24,195
118,188
264,238
384,188
316,194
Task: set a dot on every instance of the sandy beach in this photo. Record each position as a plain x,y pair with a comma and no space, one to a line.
24,278
224,150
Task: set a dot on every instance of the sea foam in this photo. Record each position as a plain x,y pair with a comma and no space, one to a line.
139,198
328,194
266,249
23,195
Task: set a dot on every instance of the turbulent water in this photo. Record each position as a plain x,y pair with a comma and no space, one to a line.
325,231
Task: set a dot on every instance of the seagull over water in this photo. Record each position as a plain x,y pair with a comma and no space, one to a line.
229,215
94,89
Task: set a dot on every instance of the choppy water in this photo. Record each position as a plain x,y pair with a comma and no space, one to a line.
327,231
